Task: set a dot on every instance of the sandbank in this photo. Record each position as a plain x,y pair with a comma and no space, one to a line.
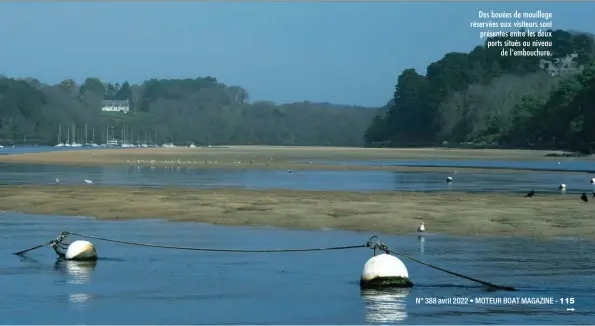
276,157
543,216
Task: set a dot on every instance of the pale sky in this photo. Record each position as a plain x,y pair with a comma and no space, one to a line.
344,53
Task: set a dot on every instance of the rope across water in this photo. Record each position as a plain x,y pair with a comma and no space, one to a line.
372,243
214,249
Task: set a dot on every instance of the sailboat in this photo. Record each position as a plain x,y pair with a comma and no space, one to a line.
67,143
74,143
93,144
60,143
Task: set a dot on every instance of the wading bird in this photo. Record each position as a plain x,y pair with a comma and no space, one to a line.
530,194
584,197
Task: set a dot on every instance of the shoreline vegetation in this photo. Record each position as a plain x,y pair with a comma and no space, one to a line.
543,216
284,158
481,97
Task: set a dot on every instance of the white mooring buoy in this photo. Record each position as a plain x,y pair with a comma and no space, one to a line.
81,250
562,186
385,271
449,179
593,181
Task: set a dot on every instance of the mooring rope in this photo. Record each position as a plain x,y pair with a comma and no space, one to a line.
33,248
214,249
488,284
58,241
381,246
377,245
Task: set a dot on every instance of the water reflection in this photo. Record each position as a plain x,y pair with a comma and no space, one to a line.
422,241
79,271
78,298
304,180
385,306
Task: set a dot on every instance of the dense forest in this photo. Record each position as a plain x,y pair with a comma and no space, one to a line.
483,97
179,111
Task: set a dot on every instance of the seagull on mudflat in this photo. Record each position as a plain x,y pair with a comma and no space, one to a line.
57,180
87,181
421,228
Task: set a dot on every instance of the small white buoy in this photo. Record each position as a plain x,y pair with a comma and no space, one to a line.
58,180
593,181
81,250
562,186
421,227
449,179
384,271
87,181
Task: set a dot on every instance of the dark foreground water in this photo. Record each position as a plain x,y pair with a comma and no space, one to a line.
139,285
506,182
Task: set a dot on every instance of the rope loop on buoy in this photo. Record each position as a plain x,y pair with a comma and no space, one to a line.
377,245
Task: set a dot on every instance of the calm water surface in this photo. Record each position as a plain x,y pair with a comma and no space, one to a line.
37,149
138,285
563,164
301,180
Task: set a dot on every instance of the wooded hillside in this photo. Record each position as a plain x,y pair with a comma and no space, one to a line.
181,111
483,97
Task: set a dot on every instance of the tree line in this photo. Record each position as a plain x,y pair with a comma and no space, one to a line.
482,97
179,111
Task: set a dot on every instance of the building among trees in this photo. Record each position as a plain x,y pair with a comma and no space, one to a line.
115,106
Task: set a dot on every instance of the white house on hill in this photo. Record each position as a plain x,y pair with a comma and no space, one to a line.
115,106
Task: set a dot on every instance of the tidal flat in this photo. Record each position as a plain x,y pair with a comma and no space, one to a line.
279,157
387,212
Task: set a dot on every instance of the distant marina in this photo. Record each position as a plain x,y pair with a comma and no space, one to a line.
80,138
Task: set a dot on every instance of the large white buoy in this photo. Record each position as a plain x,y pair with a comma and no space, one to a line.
449,179
562,186
81,250
593,181
384,271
